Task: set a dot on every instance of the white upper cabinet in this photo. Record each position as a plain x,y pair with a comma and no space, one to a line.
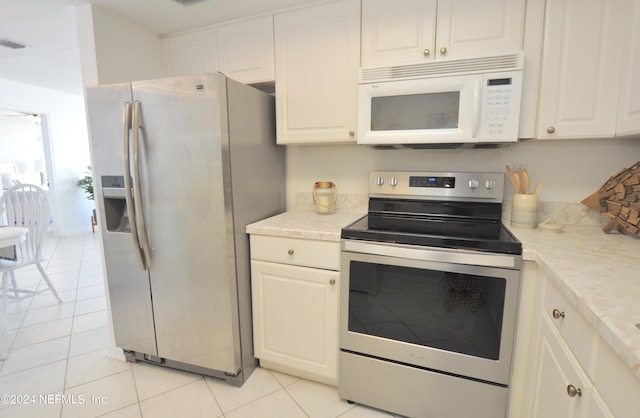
470,27
316,58
629,109
245,50
403,31
395,31
581,61
193,52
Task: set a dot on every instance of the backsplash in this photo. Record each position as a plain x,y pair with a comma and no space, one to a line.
345,203
565,213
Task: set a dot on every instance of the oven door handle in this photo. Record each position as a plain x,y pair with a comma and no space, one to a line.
433,254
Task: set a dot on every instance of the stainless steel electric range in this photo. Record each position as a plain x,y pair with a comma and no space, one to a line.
429,293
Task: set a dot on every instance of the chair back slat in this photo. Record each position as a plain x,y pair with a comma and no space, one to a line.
27,206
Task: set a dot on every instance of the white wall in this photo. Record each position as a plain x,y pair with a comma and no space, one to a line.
114,50
70,149
569,170
20,141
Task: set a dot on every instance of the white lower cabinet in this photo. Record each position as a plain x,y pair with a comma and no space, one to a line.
561,381
561,389
295,308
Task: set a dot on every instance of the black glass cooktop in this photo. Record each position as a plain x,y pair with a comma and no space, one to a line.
473,226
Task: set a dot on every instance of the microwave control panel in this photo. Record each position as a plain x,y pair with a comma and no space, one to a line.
500,106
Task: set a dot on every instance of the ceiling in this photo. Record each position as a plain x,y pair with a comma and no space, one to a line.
48,28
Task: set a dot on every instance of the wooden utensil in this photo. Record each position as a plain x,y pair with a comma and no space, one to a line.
524,180
515,181
536,189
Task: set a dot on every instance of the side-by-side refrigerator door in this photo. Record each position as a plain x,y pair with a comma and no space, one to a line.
108,109
184,149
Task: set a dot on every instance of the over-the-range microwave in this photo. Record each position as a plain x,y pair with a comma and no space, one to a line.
446,103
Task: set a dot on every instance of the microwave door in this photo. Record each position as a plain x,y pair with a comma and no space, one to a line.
436,110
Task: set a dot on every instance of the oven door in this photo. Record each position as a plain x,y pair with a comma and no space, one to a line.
400,303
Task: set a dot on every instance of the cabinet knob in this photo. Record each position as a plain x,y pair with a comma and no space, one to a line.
352,133
557,314
551,129
443,50
332,282
290,252
426,52
572,391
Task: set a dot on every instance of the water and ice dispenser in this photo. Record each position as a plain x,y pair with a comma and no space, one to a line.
115,204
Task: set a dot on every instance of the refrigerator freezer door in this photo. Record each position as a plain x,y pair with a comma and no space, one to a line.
129,292
184,159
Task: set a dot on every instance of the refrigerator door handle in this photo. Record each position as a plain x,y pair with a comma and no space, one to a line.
136,125
126,126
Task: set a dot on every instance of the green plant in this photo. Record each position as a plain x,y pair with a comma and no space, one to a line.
86,184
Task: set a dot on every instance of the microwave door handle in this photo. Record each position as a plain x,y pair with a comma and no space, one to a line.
476,109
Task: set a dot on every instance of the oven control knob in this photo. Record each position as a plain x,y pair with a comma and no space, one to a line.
473,184
379,181
393,181
490,184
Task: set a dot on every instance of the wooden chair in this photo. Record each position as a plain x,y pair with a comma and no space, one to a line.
25,206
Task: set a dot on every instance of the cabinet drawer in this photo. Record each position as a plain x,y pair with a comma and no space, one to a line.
295,251
579,335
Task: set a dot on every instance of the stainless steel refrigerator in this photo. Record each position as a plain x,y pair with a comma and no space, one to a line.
181,166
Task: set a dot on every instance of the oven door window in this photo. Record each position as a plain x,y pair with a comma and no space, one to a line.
415,111
456,312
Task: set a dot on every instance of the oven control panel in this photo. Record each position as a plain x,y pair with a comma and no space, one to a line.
471,186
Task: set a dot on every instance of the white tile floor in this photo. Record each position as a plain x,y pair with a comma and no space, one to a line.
57,364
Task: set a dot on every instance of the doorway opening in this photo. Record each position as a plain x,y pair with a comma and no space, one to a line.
26,154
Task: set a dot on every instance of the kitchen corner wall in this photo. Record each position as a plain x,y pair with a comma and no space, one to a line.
569,170
115,50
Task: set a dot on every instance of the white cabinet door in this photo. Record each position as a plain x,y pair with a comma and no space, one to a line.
295,318
397,31
317,73
470,28
581,61
403,31
193,53
597,407
245,50
629,111
554,372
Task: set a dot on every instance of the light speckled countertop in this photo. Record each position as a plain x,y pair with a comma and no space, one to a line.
600,274
305,224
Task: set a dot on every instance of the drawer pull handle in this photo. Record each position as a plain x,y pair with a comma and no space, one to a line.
332,282
557,314
290,252
572,391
